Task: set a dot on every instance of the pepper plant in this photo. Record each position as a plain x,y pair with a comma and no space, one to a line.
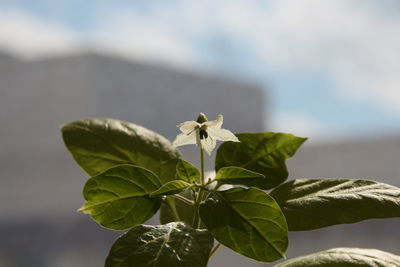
135,172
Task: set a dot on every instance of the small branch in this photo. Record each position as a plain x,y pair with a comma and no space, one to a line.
214,250
184,199
202,187
196,211
201,193
218,186
210,181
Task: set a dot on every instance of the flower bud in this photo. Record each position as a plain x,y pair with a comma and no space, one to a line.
201,118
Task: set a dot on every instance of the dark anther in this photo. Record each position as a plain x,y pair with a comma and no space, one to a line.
203,134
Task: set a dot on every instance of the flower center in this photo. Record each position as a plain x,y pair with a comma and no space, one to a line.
203,134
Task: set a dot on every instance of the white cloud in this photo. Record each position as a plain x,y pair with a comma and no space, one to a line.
28,36
126,33
353,42
141,37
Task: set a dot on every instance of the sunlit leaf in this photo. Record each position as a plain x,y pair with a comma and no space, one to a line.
185,171
172,187
345,257
99,144
170,245
248,221
236,175
314,203
263,153
119,197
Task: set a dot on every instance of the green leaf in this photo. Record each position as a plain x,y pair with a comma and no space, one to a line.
248,221
171,188
349,257
119,197
314,203
170,245
236,175
263,153
99,144
185,171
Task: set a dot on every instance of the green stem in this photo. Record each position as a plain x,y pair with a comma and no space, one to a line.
196,219
214,250
184,200
172,207
196,210
200,199
218,186
202,165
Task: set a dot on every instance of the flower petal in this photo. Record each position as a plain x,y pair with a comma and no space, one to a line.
222,134
187,126
185,139
216,123
198,143
208,144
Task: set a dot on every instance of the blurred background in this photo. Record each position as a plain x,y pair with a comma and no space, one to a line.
328,70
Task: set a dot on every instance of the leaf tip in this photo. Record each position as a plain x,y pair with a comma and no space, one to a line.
82,209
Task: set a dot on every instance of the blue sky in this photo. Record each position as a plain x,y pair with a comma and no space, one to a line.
331,68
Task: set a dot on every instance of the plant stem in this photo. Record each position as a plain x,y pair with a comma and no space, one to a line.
184,199
196,210
196,219
172,207
198,226
217,186
202,165
214,250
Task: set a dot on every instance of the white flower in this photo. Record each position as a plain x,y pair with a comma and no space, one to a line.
203,133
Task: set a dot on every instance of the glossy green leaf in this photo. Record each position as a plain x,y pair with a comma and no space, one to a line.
248,221
99,144
263,153
172,187
185,171
119,197
345,257
170,245
237,175
314,203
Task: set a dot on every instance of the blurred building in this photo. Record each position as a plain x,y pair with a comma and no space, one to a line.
40,183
